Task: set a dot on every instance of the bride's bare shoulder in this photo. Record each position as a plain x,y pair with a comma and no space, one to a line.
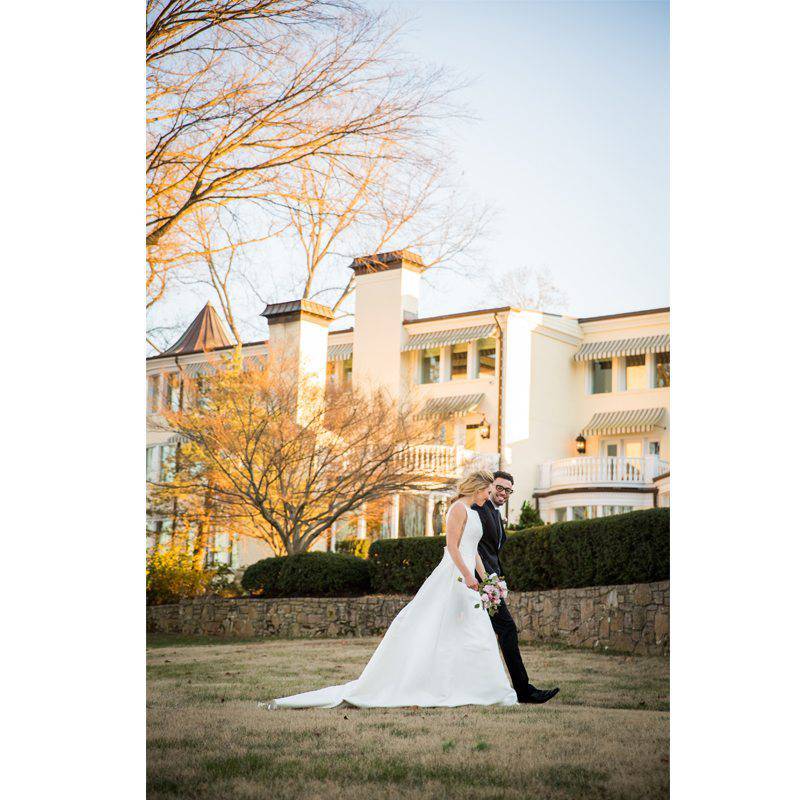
458,510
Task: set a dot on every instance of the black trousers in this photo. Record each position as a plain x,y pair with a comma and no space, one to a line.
506,630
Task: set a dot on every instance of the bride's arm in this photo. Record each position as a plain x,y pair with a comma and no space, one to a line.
480,567
455,527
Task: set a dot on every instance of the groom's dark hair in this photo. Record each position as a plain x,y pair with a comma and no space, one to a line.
506,476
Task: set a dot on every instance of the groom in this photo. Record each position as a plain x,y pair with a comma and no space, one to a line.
493,538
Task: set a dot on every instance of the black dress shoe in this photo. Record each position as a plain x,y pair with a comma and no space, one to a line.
539,695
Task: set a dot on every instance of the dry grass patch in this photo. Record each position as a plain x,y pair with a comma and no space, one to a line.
605,736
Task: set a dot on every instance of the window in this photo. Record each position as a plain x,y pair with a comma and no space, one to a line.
458,362
167,469
330,373
471,439
561,514
633,448
487,357
601,376
635,373
153,463
413,508
152,393
430,366
654,448
348,372
580,512
174,392
662,370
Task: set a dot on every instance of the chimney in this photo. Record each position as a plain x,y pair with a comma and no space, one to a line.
386,295
298,329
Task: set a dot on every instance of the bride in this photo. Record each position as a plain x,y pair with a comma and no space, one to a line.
439,650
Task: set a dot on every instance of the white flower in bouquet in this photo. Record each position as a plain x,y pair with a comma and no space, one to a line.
491,593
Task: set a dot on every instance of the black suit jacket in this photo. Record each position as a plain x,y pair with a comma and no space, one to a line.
493,537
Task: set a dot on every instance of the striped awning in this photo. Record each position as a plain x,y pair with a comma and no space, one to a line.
214,364
422,341
636,421
455,406
340,352
590,351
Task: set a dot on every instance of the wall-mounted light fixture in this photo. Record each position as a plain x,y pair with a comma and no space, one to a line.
485,429
580,443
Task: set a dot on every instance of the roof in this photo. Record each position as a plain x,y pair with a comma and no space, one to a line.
394,259
206,332
625,314
461,314
290,307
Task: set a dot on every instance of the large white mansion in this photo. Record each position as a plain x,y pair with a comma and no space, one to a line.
576,409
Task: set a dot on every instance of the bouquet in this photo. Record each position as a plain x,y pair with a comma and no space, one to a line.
491,591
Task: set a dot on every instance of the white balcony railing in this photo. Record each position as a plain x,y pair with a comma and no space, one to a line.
601,470
446,461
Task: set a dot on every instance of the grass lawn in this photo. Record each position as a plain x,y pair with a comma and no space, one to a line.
605,736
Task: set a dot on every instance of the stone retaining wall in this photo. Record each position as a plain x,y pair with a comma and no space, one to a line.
632,618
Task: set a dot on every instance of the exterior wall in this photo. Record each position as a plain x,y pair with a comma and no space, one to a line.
632,618
552,410
619,399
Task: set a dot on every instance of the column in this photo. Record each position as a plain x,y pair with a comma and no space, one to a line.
444,364
472,360
429,515
394,517
334,529
569,513
362,524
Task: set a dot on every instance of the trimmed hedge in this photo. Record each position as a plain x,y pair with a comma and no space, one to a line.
624,548
355,547
308,575
400,566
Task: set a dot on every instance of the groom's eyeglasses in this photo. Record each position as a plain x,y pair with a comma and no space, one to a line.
503,489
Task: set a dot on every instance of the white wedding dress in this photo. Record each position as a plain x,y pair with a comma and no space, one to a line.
439,650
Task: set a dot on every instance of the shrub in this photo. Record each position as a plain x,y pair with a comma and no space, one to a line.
400,566
308,575
625,548
172,574
261,577
355,547
528,518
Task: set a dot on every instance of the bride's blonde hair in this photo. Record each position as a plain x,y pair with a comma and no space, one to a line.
475,481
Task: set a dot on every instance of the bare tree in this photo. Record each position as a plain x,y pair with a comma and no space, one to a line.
266,455
526,287
347,206
241,93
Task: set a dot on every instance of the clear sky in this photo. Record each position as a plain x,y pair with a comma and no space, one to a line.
571,144
569,147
